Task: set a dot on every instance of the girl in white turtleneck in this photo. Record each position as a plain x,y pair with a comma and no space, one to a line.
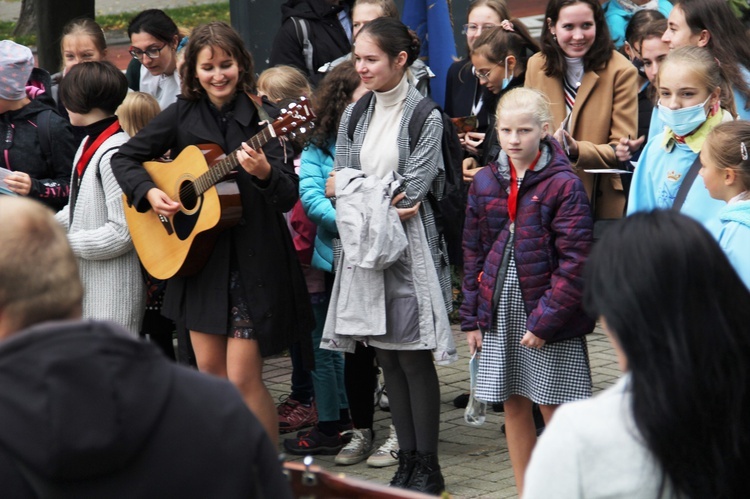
416,320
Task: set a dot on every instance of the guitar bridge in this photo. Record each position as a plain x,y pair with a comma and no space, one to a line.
167,224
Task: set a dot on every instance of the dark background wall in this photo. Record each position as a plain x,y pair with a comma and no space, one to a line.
258,22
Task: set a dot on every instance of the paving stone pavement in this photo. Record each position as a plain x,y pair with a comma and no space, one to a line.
474,460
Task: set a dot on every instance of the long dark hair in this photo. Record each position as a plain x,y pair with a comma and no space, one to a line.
330,99
598,55
728,40
495,44
681,315
215,34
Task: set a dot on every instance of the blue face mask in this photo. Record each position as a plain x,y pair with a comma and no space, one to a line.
685,120
506,80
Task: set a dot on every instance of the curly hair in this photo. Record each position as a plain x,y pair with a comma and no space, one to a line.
213,35
330,100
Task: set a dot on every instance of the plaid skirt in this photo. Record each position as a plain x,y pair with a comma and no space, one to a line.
557,373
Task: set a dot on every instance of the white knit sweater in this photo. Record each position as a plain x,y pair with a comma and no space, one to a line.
107,262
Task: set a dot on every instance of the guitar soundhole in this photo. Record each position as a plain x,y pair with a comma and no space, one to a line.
188,197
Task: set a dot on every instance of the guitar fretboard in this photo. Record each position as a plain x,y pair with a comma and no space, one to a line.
229,163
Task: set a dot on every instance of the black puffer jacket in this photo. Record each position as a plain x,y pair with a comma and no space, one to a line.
327,36
22,151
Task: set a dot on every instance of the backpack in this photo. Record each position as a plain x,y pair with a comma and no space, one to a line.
449,211
302,27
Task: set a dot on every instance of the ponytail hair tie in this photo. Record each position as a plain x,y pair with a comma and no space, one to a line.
743,151
507,25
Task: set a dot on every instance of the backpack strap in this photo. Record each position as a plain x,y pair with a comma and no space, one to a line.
686,184
45,136
359,109
421,112
302,28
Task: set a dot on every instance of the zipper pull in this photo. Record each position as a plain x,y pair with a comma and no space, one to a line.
512,227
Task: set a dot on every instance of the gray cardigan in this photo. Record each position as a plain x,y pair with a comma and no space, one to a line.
422,171
107,262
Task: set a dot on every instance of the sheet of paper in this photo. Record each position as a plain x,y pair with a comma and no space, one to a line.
3,186
606,170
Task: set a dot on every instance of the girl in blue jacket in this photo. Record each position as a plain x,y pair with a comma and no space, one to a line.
726,174
527,236
692,91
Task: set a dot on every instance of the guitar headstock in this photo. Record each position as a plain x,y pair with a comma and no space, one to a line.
296,115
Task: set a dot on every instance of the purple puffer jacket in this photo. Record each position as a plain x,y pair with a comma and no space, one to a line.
553,236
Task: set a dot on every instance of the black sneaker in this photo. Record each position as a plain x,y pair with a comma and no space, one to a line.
461,401
313,442
538,421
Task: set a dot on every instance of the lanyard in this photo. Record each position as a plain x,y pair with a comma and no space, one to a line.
89,151
513,196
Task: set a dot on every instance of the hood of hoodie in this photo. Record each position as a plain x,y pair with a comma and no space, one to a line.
29,111
80,398
551,161
736,212
39,87
309,9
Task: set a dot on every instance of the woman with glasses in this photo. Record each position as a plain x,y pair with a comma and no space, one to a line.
594,94
154,40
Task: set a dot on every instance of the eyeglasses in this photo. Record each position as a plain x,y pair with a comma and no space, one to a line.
472,28
151,52
485,75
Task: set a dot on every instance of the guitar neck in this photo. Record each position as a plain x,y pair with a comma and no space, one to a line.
222,168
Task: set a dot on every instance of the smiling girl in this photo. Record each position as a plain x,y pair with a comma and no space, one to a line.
593,91
691,91
249,300
527,236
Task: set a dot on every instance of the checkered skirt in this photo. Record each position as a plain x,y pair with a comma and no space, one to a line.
557,373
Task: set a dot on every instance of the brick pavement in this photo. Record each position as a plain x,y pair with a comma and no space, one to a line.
474,460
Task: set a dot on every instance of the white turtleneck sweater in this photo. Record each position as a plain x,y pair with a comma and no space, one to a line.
379,154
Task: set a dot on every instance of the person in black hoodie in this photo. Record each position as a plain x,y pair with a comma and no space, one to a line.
37,143
328,36
88,411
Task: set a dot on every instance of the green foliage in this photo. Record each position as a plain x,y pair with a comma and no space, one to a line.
185,17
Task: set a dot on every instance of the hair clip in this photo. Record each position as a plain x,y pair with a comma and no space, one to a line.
507,25
743,151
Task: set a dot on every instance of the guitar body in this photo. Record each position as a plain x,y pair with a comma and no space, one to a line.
181,244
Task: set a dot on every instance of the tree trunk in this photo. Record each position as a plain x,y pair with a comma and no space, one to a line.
27,20
52,16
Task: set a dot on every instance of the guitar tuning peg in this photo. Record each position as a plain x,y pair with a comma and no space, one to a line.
311,124
303,130
293,135
283,111
292,105
284,129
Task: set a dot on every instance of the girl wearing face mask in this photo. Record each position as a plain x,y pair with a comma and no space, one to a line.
594,94
499,56
464,96
711,24
692,91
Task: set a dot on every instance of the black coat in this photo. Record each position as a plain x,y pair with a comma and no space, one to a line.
261,245
21,150
462,89
327,36
89,412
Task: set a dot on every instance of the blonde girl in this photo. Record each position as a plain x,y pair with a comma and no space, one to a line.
726,175
691,91
136,111
527,236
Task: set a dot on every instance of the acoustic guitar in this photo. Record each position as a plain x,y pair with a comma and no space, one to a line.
309,481
209,200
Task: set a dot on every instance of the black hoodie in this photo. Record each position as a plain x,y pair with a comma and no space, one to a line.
20,149
87,411
327,36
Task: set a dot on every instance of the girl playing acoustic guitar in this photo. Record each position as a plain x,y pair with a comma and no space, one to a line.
249,300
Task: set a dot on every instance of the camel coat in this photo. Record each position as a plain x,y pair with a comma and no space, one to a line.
606,109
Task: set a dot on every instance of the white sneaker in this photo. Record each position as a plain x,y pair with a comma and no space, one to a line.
386,455
357,449
383,403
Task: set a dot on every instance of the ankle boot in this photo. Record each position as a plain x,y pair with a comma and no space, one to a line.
426,476
406,462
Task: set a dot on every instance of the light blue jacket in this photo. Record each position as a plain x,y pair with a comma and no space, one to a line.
618,18
315,166
658,177
734,237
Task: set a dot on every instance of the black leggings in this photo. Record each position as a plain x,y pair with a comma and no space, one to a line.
414,397
360,378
